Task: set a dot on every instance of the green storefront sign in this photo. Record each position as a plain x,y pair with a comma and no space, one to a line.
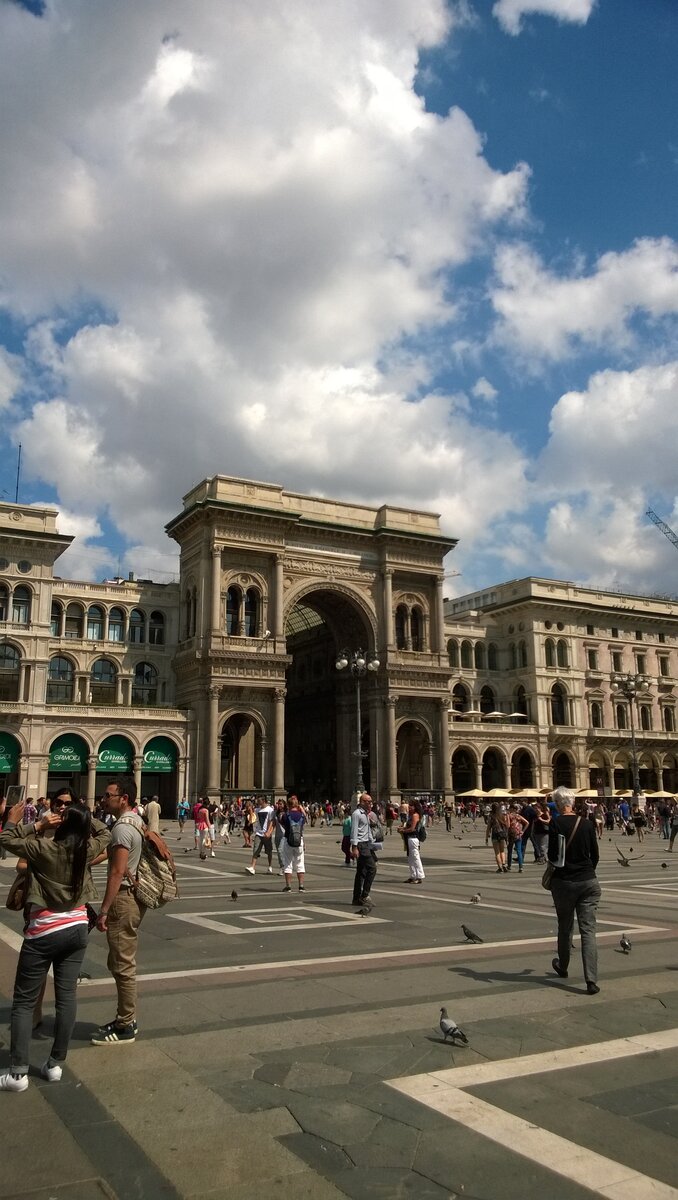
68,754
9,754
116,755
160,756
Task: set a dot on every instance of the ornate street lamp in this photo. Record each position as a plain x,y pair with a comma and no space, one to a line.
631,687
358,663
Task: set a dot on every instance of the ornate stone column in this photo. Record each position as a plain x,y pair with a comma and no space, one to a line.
213,781
439,622
216,621
444,765
390,749
263,744
278,591
92,780
387,607
279,741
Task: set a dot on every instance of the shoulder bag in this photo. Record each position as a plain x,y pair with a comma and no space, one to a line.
547,877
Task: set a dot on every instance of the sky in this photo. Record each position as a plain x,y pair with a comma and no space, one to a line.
414,252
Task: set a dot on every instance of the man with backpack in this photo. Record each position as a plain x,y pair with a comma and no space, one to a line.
292,845
121,913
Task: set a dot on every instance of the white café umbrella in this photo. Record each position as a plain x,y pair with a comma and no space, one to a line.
474,793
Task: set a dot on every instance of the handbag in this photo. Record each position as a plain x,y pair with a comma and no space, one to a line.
18,892
547,877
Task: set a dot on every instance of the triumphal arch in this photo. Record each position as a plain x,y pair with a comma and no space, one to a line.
274,585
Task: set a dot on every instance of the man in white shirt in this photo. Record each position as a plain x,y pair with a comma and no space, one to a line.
263,835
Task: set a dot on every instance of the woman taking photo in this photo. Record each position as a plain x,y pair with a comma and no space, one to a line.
55,934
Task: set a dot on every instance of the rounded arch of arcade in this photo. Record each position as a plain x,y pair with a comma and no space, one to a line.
297,593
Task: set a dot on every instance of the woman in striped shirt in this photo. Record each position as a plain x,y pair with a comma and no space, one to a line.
55,934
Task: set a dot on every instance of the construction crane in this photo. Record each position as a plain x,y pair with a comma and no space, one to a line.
666,529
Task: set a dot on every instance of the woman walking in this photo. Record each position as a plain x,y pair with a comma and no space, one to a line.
55,934
497,829
411,833
517,825
575,889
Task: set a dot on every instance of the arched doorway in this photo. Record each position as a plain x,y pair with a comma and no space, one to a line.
598,773
9,762
463,770
413,756
522,769
563,770
159,773
241,765
321,705
670,773
68,756
493,772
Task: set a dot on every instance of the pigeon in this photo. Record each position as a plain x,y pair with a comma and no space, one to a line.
458,837
664,866
475,899
449,1028
623,860
234,895
367,905
470,935
625,944
365,911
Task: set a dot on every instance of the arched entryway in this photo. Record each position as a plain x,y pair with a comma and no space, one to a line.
563,770
241,754
464,765
493,770
522,769
10,750
159,772
413,756
68,756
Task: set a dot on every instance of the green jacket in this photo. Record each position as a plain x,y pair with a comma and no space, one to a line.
50,868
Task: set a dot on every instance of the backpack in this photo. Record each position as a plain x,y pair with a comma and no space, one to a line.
156,879
377,830
421,831
294,834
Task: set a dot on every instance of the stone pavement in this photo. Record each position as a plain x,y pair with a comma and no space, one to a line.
287,1043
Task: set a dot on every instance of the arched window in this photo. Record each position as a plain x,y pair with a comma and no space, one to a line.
563,774
194,611
453,655
621,716
479,656
75,620
401,627
522,654
103,682
233,612
561,653
520,700
55,619
136,631
21,606
116,625
460,698
669,720
60,681
95,623
487,702
156,629
558,705
492,657
251,612
9,673
187,614
513,658
596,714
466,656
145,684
550,651
416,628
645,717
4,601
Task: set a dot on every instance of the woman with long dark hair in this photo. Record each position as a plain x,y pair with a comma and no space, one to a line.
55,934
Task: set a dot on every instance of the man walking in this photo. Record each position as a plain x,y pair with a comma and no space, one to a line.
363,850
121,914
263,835
153,815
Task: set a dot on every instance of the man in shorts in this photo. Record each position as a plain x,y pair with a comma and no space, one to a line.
263,835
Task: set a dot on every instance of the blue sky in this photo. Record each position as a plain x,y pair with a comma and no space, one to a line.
393,250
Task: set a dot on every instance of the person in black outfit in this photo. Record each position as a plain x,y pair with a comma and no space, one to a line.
575,888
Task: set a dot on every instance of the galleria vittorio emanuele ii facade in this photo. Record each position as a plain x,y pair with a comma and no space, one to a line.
228,681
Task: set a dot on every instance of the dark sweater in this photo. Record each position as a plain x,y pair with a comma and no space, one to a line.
581,856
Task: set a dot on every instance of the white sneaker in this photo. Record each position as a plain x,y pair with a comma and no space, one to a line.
51,1074
250,870
270,871
213,854
13,1083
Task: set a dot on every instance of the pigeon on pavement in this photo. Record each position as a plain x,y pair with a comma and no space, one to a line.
234,895
475,898
625,944
449,1028
470,935
623,860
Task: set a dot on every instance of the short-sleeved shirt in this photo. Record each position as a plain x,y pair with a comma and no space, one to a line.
264,817
127,833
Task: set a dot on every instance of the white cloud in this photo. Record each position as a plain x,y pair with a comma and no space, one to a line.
483,390
549,316
10,377
510,13
269,214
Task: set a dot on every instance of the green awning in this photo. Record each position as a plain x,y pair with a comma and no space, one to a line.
116,755
9,754
160,756
68,754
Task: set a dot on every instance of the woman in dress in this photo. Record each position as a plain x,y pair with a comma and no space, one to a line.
497,828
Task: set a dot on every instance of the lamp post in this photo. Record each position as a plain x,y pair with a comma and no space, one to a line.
631,687
358,663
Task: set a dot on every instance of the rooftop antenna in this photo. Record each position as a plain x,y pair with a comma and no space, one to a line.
18,475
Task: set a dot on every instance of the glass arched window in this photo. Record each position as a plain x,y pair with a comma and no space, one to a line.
75,621
645,717
251,612
416,628
116,625
466,655
492,657
558,705
453,655
487,702
9,673
4,601
621,716
55,619
60,681
522,654
550,652
156,629
460,698
401,627
95,623
596,714
136,630
103,682
513,658
21,606
479,656
145,684
233,611
669,720
520,700
561,653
